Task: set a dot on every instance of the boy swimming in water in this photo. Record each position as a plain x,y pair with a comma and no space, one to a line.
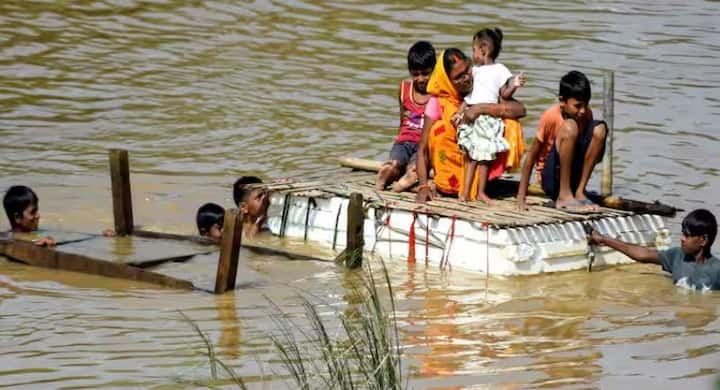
253,201
691,264
22,208
209,219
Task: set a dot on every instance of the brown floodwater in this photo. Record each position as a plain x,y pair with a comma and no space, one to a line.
202,92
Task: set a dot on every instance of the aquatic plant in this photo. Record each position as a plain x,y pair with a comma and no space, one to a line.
213,360
365,353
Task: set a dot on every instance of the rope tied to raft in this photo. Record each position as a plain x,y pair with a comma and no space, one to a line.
337,222
310,205
427,239
411,239
445,262
285,214
487,257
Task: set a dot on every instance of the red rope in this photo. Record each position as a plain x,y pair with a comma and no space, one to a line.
411,240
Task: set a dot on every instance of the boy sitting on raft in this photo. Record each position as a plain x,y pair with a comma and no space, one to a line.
22,208
253,201
691,264
568,145
412,97
210,219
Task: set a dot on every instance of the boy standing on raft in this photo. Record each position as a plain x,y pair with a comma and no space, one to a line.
412,97
568,145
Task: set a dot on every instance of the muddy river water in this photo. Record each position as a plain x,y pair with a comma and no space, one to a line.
202,92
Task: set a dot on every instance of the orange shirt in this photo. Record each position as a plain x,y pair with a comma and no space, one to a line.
550,122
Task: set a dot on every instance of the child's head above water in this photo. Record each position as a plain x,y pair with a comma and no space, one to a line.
487,43
421,61
210,218
250,198
699,229
21,206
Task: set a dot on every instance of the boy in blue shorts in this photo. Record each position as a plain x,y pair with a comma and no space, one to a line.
568,145
691,264
412,97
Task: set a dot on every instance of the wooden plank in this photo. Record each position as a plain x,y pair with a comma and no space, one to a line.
121,194
30,254
353,253
133,250
265,250
229,251
137,231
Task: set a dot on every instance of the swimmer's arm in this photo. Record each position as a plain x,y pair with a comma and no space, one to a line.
635,252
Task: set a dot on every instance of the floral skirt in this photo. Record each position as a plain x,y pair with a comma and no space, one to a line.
483,139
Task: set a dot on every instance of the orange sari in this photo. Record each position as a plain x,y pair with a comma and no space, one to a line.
446,157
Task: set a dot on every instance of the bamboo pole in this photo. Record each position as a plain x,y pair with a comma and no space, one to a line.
121,194
609,117
229,251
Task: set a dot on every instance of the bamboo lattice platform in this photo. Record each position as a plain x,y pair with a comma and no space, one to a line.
502,213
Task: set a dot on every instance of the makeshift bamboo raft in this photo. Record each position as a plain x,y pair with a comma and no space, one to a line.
496,238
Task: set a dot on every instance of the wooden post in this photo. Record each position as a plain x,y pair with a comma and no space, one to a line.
608,116
355,225
121,195
229,251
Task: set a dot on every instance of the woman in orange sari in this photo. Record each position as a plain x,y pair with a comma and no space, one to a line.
450,81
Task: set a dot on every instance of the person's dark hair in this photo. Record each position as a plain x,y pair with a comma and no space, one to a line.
701,222
208,215
16,200
575,85
494,37
421,56
241,188
451,57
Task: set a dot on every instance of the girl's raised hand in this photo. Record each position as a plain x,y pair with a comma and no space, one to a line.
519,80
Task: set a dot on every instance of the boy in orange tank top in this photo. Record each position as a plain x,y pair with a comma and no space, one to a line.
412,97
568,145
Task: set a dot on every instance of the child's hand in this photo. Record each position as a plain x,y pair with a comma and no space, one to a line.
108,233
45,241
519,80
593,236
457,118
